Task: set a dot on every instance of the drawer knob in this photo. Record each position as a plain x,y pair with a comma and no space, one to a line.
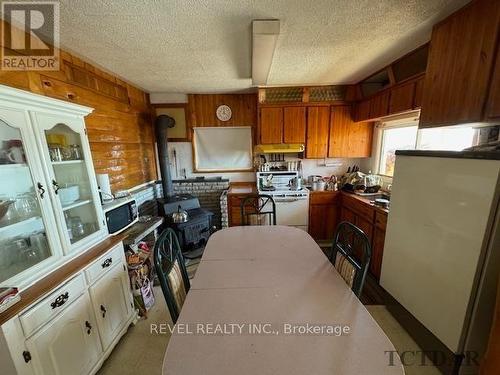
89,327
59,301
107,263
103,310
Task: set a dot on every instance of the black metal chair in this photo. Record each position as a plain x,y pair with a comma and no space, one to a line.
258,209
171,271
351,254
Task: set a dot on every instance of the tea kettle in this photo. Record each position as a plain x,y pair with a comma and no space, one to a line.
181,216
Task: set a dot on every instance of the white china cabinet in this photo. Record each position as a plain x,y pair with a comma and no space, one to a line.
49,202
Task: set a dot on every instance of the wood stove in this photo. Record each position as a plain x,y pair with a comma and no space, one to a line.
194,233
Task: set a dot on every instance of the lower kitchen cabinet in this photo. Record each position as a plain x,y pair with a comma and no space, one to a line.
370,220
324,214
110,298
75,326
69,344
377,252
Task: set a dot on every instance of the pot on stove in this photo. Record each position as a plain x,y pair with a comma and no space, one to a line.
295,183
181,216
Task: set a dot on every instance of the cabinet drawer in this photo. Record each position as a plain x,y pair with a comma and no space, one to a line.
360,208
102,265
52,305
381,220
328,197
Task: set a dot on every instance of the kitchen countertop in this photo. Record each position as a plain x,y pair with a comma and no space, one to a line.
237,188
141,229
366,200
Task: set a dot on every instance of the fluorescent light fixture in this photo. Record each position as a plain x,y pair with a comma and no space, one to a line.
264,37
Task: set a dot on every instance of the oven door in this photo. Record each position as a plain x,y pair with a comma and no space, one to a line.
293,212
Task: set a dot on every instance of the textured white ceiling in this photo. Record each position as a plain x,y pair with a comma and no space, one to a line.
204,46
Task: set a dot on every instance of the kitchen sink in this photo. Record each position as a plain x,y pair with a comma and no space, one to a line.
373,196
379,196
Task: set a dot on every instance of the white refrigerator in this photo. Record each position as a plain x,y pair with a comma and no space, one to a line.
442,248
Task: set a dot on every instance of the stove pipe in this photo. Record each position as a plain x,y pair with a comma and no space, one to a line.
162,123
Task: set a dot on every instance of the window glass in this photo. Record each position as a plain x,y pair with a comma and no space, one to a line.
448,139
400,138
409,137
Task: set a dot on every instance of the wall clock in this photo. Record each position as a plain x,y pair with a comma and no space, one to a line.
224,113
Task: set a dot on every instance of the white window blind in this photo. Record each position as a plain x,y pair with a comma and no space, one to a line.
223,149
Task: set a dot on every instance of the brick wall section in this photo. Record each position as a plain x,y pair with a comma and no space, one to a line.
208,192
224,210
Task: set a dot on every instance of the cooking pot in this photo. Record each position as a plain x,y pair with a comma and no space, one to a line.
295,183
313,178
318,185
181,216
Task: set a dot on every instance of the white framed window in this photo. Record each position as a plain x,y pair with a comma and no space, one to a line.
404,134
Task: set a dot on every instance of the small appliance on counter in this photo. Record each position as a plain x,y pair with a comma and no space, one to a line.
120,214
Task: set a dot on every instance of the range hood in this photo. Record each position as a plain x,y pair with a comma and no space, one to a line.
279,148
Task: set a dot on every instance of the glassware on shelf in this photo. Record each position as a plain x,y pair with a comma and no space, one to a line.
55,152
76,152
10,216
66,153
38,241
5,207
77,227
12,152
26,206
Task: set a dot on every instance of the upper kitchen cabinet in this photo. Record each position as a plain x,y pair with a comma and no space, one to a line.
294,130
395,89
379,105
460,65
493,104
348,139
50,205
318,124
271,125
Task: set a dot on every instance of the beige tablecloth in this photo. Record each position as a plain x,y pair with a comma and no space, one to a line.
266,300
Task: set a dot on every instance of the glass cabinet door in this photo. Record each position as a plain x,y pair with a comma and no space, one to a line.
25,209
72,178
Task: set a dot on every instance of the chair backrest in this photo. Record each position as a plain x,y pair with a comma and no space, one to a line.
258,209
351,254
171,271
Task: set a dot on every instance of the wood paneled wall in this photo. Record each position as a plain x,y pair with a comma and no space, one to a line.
201,109
120,128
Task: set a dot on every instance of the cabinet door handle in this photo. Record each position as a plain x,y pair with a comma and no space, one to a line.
41,190
26,356
103,310
59,301
107,263
89,327
56,186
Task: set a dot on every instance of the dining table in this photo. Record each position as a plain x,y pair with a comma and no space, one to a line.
266,300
